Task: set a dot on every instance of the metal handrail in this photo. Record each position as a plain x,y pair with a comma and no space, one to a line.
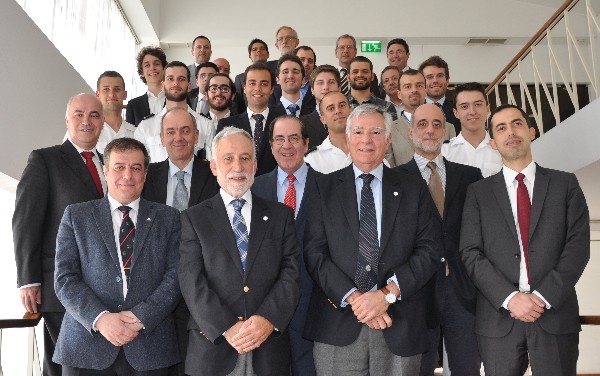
29,320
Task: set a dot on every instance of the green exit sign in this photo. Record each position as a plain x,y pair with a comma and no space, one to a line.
370,46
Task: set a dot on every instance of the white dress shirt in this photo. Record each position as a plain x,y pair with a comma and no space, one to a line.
265,113
246,209
327,158
156,102
485,158
426,171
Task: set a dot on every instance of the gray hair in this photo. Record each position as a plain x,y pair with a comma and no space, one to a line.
367,109
70,101
230,131
162,120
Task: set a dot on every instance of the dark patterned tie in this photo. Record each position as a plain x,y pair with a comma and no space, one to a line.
258,130
126,240
344,77
368,239
292,109
91,166
240,231
524,216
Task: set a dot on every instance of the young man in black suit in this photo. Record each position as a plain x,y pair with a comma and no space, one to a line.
151,62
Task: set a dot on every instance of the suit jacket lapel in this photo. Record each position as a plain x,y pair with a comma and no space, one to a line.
222,226
501,194
103,218
163,180
539,196
76,163
199,179
310,176
146,104
453,178
413,169
271,186
145,220
261,215
391,196
347,197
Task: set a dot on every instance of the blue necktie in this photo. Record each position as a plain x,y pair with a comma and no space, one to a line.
126,240
293,108
368,239
240,231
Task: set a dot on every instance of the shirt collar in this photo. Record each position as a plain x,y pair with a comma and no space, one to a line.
265,113
114,204
300,174
440,101
81,150
422,161
174,169
227,198
510,174
377,172
285,102
161,94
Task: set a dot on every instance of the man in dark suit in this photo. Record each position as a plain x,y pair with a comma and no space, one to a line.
54,178
151,62
525,241
370,244
258,87
239,271
292,183
437,75
122,328
197,97
323,79
258,52
201,51
453,307
181,181
286,94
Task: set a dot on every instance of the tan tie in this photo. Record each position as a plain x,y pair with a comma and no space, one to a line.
436,189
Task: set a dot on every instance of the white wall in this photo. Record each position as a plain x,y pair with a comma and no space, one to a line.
36,83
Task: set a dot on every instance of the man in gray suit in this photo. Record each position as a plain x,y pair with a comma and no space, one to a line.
525,241
116,275
201,51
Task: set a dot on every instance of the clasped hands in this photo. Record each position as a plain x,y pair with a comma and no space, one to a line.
119,328
370,308
526,307
249,334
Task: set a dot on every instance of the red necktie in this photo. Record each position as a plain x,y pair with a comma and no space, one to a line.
523,216
93,171
290,194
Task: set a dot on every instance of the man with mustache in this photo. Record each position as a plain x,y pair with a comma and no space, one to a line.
360,77
239,270
176,85
221,92
197,97
390,80
525,241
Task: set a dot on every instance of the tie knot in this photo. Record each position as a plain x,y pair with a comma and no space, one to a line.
87,155
431,165
238,204
292,108
258,117
367,178
180,175
124,209
520,177
438,104
343,71
291,178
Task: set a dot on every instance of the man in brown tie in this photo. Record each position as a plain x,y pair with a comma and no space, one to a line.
453,306
54,178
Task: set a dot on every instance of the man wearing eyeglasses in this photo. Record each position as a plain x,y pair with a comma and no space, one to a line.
220,92
197,96
437,75
370,248
286,40
345,51
291,183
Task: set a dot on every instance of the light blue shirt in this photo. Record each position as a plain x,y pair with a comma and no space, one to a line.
304,89
441,101
172,180
286,103
299,184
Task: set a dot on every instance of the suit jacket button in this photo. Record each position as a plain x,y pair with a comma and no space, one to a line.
246,288
368,268
118,279
443,259
516,256
120,306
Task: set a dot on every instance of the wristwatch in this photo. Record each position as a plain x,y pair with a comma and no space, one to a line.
389,297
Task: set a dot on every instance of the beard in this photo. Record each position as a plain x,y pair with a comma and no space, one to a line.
221,107
176,98
235,189
427,148
364,86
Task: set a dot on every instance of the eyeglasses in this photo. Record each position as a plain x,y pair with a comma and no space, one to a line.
293,139
224,89
287,38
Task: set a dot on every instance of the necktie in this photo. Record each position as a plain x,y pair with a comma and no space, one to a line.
290,194
292,109
523,216
435,188
258,130
126,240
344,77
180,196
368,240
240,231
89,163
203,106
438,104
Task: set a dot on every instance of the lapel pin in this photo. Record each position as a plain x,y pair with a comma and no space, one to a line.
395,193
148,219
265,218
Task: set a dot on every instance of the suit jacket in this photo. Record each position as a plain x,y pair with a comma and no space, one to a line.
219,292
88,282
448,108
408,250
192,69
309,103
204,183
402,149
54,178
265,186
458,178
315,128
266,160
137,109
559,249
